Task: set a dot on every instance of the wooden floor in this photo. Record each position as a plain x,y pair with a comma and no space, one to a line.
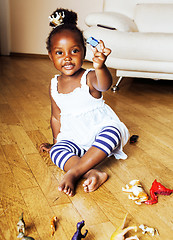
29,180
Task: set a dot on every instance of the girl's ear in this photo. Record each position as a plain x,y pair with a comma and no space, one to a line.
50,55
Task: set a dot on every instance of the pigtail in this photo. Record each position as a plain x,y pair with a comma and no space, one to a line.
62,16
63,19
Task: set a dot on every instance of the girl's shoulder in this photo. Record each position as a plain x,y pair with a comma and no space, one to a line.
90,76
53,84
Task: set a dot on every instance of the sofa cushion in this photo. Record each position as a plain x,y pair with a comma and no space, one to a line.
112,20
154,17
135,45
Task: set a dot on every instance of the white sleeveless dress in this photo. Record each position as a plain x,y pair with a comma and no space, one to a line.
83,116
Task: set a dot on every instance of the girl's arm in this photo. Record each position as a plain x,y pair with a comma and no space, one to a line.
55,120
101,79
55,125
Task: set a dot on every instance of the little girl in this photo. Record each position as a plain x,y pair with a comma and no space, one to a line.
85,130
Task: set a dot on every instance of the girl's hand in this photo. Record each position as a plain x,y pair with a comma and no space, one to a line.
45,147
100,55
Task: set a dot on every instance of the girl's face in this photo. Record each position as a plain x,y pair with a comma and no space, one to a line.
67,52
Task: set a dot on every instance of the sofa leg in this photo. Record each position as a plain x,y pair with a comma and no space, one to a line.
115,87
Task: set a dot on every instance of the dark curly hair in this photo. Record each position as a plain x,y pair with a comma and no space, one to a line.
69,23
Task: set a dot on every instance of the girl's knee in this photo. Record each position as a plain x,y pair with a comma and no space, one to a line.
108,139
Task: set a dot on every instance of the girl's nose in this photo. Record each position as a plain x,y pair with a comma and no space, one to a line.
67,57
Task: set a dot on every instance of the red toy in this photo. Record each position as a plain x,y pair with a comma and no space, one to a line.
157,188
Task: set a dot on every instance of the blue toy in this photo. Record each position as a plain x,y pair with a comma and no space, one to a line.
92,41
78,235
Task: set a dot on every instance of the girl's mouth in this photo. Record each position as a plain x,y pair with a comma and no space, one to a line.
68,66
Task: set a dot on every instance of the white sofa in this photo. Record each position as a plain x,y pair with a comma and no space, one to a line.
140,36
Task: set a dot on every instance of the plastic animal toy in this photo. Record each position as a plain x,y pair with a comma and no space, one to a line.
27,238
134,138
21,225
92,41
136,191
121,231
78,235
23,237
146,229
157,188
53,225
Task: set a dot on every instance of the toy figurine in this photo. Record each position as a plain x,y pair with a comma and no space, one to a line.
157,188
23,237
78,235
53,225
136,191
21,225
121,231
27,238
92,41
146,229
134,138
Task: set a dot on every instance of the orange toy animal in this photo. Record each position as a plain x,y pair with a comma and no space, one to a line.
53,225
136,191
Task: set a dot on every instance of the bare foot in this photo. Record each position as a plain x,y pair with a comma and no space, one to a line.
95,179
67,185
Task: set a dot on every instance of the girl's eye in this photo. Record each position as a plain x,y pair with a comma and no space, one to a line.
59,53
75,50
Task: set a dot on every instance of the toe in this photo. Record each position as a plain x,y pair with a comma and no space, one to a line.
87,182
85,188
60,188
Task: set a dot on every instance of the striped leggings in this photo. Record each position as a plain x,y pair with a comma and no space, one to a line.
107,140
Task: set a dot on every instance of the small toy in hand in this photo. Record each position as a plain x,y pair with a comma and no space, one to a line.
21,225
146,229
121,231
136,191
157,188
53,225
92,41
134,138
78,235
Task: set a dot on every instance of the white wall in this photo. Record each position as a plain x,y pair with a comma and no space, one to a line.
127,6
4,27
30,25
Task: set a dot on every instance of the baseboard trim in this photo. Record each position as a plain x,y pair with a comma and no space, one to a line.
28,55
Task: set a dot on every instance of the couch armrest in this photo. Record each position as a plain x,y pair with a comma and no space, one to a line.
112,20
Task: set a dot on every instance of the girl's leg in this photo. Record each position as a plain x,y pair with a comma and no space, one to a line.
66,155
105,143
76,170
64,150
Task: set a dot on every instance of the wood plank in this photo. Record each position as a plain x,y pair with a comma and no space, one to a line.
25,119
6,136
25,144
7,115
5,168
46,180
21,170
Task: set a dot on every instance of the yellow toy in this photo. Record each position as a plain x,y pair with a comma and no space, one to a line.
121,231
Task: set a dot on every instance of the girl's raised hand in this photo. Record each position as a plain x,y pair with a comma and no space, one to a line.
100,55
